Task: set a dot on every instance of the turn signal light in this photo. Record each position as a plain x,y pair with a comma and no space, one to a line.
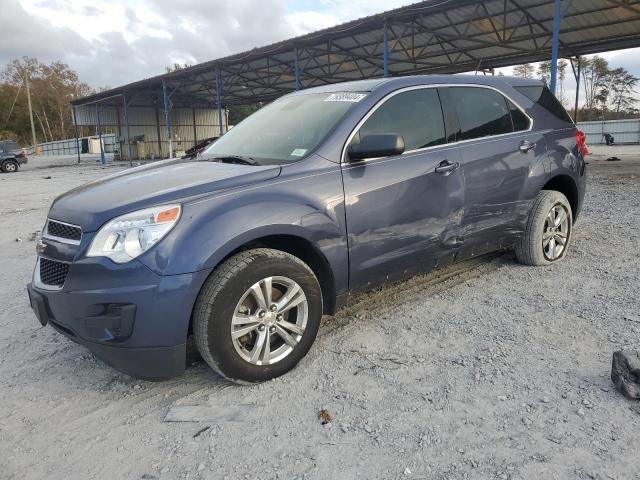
168,215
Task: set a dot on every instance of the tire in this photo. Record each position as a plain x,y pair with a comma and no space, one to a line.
227,298
9,166
536,247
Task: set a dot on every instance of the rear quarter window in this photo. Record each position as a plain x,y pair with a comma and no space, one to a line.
547,100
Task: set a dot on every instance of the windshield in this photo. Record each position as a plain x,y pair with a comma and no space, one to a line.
286,130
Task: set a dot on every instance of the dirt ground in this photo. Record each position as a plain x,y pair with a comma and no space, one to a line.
484,370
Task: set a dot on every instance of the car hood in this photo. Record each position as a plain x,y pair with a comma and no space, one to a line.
93,204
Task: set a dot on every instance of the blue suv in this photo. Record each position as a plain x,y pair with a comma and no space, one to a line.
323,193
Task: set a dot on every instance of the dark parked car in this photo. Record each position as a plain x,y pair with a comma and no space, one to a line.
11,156
322,193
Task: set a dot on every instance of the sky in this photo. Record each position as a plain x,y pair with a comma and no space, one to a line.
114,42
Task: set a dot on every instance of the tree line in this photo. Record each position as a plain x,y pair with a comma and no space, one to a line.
52,87
609,93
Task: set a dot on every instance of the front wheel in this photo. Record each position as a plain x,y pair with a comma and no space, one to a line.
548,231
257,315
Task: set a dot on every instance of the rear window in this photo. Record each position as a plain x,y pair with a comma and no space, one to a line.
543,97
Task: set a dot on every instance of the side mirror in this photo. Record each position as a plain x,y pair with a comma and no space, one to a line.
376,145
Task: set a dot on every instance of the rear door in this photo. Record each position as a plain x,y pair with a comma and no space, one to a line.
498,149
402,215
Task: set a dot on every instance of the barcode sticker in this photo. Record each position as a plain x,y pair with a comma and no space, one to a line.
345,97
298,152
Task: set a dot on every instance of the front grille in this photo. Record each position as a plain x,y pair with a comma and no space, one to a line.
63,230
53,273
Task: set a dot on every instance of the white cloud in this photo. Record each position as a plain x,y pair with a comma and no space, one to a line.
120,41
305,22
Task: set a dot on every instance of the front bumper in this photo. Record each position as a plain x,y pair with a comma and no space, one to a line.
130,317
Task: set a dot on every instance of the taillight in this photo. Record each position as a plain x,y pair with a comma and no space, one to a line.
581,141
22,154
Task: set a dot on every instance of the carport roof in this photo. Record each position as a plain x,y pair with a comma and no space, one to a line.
446,36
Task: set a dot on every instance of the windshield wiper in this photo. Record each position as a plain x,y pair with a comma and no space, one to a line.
235,159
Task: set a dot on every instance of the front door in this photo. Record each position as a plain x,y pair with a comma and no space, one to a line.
404,212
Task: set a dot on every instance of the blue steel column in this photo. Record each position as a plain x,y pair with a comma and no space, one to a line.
219,100
167,116
555,40
75,124
385,55
103,160
575,108
126,124
297,70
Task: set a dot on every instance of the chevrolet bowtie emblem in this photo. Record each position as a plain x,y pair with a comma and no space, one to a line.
40,246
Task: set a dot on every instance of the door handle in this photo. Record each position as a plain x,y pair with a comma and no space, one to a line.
445,167
526,145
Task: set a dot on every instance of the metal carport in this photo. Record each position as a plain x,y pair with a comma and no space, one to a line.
448,36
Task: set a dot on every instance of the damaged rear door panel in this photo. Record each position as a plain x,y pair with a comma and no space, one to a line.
499,148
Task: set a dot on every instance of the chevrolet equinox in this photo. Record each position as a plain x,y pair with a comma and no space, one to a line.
323,193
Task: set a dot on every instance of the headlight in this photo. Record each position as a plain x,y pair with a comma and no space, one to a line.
124,238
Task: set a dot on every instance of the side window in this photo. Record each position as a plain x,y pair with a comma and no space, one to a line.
519,119
415,114
482,112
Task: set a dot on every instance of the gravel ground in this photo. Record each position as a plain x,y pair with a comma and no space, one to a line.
487,369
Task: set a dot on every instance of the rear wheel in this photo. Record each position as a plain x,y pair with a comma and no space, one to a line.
548,231
10,166
257,315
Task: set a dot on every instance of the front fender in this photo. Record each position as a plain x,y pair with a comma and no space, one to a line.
310,207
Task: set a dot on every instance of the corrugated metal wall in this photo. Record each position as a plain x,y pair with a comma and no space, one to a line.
623,131
149,122
68,147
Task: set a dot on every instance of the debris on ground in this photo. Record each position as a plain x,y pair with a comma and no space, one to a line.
324,416
630,318
625,373
201,431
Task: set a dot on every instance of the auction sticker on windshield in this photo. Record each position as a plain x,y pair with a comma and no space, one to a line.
298,152
345,97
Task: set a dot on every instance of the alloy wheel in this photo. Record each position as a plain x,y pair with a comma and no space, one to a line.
556,232
269,320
